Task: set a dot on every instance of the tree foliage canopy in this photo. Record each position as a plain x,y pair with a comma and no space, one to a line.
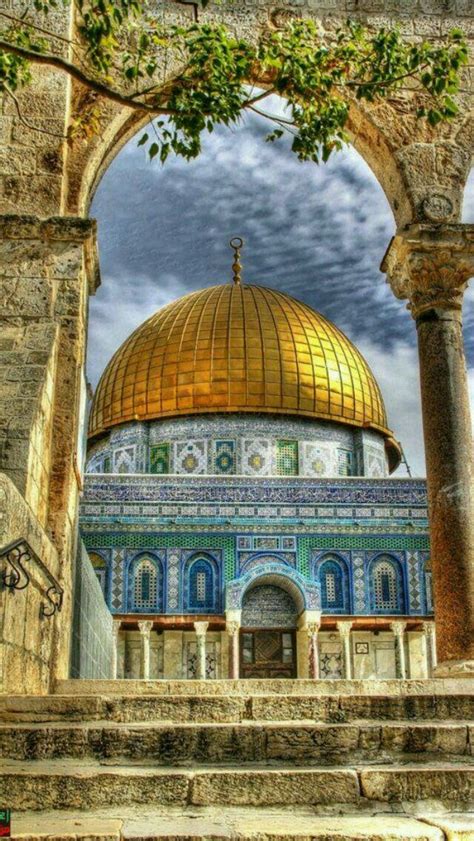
201,75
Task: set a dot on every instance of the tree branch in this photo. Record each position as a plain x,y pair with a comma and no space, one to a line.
273,117
73,71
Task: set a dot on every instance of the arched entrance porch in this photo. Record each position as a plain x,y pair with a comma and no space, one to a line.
273,615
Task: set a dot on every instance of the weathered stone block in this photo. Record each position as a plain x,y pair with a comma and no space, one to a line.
442,783
270,788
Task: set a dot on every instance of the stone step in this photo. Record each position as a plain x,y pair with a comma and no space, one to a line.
200,688
234,708
250,742
86,786
237,825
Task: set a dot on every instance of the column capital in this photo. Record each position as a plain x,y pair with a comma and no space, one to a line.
344,627
429,628
312,629
115,629
398,628
201,628
232,628
430,265
145,626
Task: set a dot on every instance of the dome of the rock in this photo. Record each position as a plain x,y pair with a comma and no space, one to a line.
239,348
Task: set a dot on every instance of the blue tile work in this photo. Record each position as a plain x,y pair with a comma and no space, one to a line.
246,528
225,457
248,444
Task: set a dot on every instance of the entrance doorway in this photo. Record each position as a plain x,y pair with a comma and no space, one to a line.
268,635
266,653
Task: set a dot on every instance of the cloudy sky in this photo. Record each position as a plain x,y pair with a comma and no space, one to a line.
316,232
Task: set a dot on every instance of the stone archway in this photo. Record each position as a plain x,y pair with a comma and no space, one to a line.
50,268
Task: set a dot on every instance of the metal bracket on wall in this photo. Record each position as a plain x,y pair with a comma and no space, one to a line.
16,577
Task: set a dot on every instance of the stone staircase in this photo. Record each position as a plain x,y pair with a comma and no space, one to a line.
276,760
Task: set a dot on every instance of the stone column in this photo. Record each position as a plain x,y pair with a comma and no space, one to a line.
312,629
344,629
430,265
115,641
145,627
232,629
430,635
398,629
201,631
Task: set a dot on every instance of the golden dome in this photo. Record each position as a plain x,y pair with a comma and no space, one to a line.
239,348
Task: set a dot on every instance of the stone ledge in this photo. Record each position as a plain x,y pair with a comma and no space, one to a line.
239,825
63,784
250,688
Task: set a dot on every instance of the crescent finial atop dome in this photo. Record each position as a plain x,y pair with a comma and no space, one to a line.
236,243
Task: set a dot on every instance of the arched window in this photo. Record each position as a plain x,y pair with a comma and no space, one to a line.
200,588
334,586
147,592
386,586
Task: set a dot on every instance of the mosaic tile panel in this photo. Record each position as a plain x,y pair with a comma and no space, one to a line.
224,457
124,460
256,457
160,458
318,459
116,591
414,583
173,568
191,457
287,458
358,578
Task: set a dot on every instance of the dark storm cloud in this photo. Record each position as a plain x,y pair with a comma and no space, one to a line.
318,233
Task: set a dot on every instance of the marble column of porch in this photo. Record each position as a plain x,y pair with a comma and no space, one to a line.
429,265
312,629
145,626
399,629
232,630
201,631
429,629
344,628
115,641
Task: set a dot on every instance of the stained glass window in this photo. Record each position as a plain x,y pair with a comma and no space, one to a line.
287,458
385,586
200,586
145,588
334,586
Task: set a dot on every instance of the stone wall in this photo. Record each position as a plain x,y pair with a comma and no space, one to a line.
92,649
27,649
